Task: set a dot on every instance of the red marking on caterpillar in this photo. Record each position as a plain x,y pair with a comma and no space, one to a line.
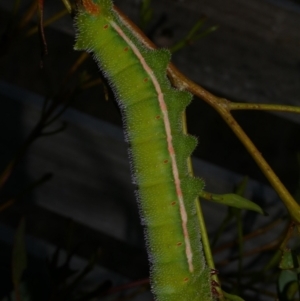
105,26
179,244
171,150
166,161
186,279
215,292
173,203
146,79
157,117
215,283
91,7
214,272
126,49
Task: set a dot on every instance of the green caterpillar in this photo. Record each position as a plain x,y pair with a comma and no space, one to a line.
152,112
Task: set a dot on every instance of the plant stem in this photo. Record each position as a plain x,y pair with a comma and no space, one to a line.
67,5
49,21
263,107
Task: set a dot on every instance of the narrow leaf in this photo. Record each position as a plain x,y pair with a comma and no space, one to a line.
286,284
286,261
233,200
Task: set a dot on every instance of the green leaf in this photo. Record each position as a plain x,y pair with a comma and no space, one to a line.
233,200
233,213
287,285
292,290
286,261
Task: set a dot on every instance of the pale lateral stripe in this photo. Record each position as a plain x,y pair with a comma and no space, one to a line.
188,249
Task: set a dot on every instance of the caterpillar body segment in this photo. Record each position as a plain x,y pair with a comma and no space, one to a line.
152,113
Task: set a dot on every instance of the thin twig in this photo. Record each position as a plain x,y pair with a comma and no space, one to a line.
67,5
47,22
263,107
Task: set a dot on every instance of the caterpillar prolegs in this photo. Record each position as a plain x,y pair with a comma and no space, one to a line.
152,112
